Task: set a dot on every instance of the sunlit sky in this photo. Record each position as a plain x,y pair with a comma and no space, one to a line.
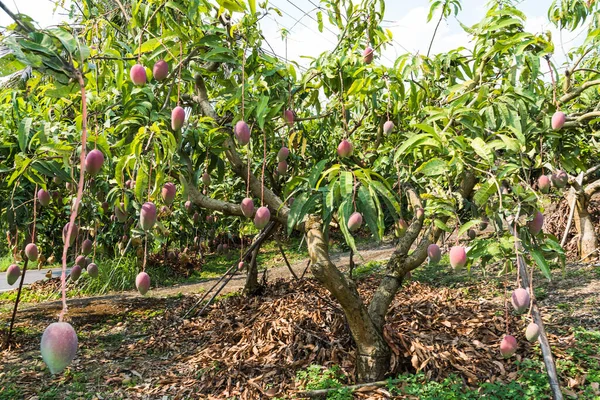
405,18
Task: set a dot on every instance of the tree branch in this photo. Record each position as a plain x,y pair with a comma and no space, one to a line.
237,165
14,17
575,193
577,91
391,282
591,171
576,122
213,204
400,263
592,188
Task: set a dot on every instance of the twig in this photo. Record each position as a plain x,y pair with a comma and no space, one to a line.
437,26
209,302
285,259
209,290
351,263
305,269
122,10
14,17
589,254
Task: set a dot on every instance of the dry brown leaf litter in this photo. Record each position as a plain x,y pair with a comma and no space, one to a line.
252,347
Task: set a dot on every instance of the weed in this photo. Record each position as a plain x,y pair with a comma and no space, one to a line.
316,377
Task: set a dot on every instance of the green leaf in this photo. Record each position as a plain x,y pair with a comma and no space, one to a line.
330,171
366,205
316,173
357,85
346,183
433,167
388,196
486,190
252,5
541,262
21,164
482,149
413,142
441,225
344,212
9,65
261,111
23,134
140,184
320,21
51,169
295,211
67,40
232,5
510,143
465,227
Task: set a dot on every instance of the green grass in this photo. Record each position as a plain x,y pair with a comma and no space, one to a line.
269,257
7,260
316,377
10,392
367,269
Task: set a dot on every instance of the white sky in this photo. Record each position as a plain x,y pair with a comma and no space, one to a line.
405,18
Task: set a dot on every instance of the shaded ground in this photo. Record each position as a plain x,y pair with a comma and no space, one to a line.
252,347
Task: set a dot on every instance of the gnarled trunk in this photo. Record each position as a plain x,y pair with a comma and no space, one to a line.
587,240
585,226
372,352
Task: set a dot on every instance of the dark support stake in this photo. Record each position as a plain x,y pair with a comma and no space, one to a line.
285,259
14,314
231,271
305,269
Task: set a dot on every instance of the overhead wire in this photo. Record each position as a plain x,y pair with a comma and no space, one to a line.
321,8
299,21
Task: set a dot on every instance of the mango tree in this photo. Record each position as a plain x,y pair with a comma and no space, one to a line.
447,142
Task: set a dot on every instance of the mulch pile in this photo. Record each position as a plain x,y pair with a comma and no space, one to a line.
251,347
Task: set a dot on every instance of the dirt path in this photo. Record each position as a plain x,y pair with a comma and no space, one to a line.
367,254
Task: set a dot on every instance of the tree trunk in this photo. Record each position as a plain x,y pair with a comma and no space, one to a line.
372,352
252,284
587,241
252,276
585,226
